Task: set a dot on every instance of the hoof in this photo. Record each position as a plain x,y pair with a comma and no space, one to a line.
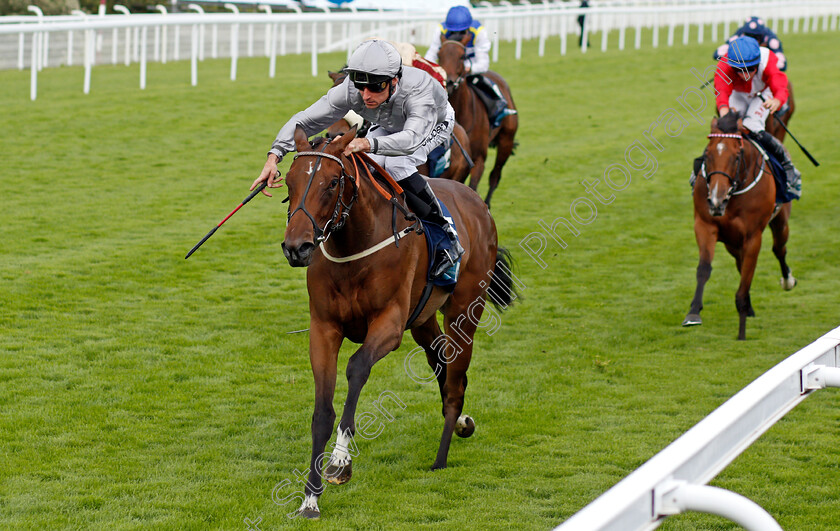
310,513
338,475
437,466
788,283
692,319
464,426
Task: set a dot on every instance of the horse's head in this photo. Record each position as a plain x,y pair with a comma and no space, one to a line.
724,161
451,58
321,194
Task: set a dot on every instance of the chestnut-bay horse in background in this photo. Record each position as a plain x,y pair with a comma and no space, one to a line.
733,201
364,288
472,114
459,163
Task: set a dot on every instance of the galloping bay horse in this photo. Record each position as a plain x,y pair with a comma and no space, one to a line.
460,158
471,113
733,202
364,287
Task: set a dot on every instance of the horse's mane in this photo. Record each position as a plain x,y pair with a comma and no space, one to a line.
729,122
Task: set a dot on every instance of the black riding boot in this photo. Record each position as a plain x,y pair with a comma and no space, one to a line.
492,97
775,148
422,200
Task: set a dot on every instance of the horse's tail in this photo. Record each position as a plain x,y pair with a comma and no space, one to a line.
503,290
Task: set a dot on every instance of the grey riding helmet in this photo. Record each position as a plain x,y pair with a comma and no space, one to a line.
374,62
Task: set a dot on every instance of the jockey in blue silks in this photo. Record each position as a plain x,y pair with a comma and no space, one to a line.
459,24
754,27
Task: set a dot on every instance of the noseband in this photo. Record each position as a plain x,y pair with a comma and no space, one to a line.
739,160
341,209
460,79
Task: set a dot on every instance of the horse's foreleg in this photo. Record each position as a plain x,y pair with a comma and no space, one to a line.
503,152
324,343
742,297
384,335
779,227
706,239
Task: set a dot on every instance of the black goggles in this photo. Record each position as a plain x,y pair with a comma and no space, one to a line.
372,87
372,82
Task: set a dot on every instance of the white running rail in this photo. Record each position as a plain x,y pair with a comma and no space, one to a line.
674,480
330,31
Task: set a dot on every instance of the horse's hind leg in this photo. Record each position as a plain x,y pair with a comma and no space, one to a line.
460,330
779,227
742,297
427,336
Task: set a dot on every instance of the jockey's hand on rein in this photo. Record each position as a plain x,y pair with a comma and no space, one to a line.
356,145
269,174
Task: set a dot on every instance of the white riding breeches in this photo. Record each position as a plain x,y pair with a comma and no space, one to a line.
402,166
752,109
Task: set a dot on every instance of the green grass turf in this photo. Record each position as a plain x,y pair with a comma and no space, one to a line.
139,390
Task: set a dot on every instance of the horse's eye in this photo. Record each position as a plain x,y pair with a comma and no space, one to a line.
333,184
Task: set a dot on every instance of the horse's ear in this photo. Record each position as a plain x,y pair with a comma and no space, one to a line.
301,140
741,127
442,38
341,142
465,39
333,75
714,124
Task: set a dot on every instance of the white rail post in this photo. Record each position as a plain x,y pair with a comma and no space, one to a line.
268,28
21,44
90,50
327,32
272,52
194,55
162,57
637,43
671,27
675,497
314,49
234,42
200,10
37,37
124,10
33,76
564,37
143,34
655,41
83,15
686,28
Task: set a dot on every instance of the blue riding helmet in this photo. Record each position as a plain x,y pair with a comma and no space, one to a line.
458,18
744,52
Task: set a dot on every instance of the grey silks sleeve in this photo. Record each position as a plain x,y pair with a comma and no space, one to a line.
314,119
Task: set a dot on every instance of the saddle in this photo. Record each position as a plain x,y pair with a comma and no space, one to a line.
436,238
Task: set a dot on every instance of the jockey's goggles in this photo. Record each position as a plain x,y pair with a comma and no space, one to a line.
371,82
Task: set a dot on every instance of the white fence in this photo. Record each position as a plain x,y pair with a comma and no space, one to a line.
141,38
674,480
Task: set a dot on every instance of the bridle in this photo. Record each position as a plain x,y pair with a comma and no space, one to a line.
460,79
341,209
739,161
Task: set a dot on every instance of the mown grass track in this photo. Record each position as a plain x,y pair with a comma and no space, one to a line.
139,390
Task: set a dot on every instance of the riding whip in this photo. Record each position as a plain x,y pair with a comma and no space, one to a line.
214,229
812,159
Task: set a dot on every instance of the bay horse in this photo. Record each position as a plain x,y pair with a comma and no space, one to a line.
472,114
364,287
733,203
460,159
